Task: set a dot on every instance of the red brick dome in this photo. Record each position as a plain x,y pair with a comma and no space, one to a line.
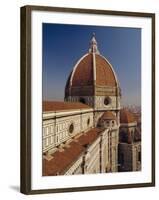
84,75
92,69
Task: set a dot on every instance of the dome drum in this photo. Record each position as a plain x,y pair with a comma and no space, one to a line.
106,90
79,91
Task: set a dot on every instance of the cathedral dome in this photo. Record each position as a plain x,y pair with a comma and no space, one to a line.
83,74
126,116
92,69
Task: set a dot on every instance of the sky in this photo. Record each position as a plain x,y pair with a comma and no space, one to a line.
64,45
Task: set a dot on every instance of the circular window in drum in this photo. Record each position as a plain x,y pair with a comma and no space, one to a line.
107,101
88,121
71,128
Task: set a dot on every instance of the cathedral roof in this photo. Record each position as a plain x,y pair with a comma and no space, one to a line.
126,116
108,115
92,69
57,106
70,153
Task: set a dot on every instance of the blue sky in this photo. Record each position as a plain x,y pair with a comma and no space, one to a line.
63,45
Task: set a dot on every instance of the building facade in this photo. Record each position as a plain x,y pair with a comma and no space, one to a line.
81,134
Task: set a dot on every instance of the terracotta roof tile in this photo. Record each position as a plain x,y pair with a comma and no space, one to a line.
104,74
89,137
62,160
57,106
108,115
126,116
83,75
84,72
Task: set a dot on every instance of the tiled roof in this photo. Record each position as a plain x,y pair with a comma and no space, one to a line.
63,159
57,106
108,115
126,116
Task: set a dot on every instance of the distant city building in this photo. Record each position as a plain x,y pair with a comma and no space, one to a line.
81,135
129,142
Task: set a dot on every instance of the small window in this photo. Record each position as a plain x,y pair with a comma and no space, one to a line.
71,128
88,121
113,123
107,101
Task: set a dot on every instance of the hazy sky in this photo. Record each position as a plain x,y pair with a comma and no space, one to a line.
63,45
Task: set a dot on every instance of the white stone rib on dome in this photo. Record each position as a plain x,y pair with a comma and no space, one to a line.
76,65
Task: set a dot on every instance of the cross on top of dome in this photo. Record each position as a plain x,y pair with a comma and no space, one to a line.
93,45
